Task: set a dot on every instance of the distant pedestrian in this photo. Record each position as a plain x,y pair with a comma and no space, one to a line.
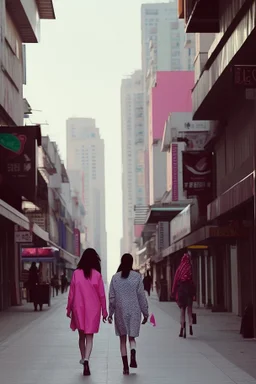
147,282
64,283
56,284
127,302
183,291
86,303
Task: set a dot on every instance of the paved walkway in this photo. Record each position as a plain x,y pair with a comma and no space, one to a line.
46,352
16,319
221,332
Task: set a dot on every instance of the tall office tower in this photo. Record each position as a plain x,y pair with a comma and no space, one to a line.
172,46
133,150
85,156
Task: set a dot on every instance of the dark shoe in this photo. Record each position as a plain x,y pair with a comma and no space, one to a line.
184,331
181,332
126,366
133,359
41,307
35,307
191,330
86,368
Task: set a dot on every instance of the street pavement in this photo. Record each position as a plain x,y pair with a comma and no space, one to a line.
46,351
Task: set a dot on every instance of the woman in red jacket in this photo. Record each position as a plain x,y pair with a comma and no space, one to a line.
184,291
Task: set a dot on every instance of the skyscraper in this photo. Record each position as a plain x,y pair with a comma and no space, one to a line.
133,149
165,32
85,156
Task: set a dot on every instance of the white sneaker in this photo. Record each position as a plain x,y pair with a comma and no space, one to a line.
81,362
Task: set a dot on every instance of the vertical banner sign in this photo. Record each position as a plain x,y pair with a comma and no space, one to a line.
197,172
77,242
18,159
175,176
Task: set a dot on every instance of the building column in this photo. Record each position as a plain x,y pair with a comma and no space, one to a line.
199,299
212,286
168,276
206,262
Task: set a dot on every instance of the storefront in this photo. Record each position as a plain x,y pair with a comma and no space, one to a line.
16,230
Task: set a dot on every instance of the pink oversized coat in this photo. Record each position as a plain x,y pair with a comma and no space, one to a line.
86,302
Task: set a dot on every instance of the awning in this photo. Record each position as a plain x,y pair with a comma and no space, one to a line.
46,9
236,195
141,212
205,234
18,218
161,212
65,255
37,259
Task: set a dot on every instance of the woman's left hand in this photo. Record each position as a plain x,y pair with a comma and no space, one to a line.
69,315
104,319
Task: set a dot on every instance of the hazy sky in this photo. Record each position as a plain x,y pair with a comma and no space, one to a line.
76,70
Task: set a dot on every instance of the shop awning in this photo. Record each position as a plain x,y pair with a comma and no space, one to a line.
161,212
18,218
233,197
39,254
141,213
65,255
204,234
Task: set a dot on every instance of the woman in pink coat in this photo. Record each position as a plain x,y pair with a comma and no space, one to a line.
86,303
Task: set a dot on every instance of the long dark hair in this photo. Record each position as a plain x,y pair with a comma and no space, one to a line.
126,265
90,260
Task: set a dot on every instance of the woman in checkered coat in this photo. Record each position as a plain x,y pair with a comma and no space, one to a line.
127,302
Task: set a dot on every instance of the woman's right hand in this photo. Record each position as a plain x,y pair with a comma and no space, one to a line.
110,320
145,320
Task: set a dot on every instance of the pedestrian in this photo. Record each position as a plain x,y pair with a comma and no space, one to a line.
127,302
64,283
147,282
56,284
33,286
183,291
86,302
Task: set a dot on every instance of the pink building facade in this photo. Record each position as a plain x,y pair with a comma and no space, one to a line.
172,93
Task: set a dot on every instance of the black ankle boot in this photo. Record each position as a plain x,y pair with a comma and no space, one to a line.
191,330
86,368
184,331
133,359
126,366
181,332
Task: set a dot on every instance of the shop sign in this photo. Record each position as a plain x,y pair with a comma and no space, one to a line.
77,242
18,166
197,172
21,235
45,252
228,231
195,140
175,175
245,76
181,225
